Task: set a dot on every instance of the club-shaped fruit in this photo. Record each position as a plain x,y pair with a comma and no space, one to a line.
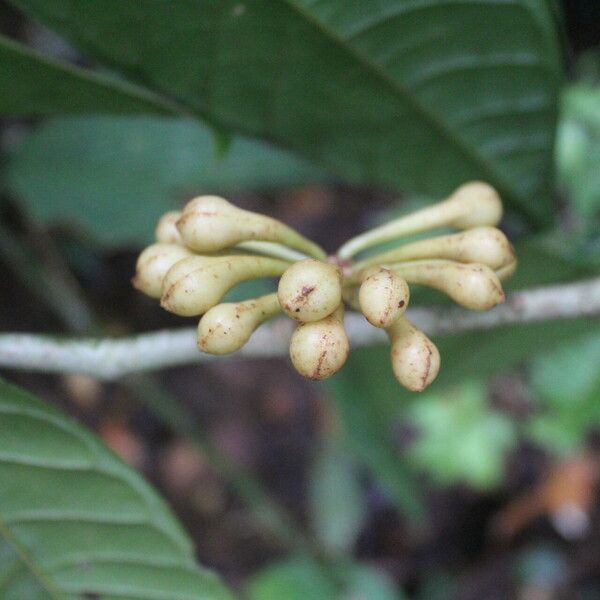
320,348
485,245
507,271
473,285
310,290
415,358
197,283
166,229
228,326
383,296
211,223
473,204
152,266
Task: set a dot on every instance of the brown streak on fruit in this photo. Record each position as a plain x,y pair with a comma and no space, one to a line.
317,373
427,368
302,297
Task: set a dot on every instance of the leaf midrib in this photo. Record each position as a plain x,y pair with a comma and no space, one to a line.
437,124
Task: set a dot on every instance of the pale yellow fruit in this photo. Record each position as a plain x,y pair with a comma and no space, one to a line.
211,223
415,358
320,348
227,327
166,229
485,245
153,264
507,271
383,297
473,204
197,283
310,290
473,286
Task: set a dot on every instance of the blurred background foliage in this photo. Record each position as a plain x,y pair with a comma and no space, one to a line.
484,486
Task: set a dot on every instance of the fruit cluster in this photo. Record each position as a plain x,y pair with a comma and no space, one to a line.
211,246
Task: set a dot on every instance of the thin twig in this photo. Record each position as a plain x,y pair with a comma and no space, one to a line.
110,358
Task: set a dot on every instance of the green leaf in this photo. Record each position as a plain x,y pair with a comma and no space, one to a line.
567,381
301,578
42,86
115,176
363,582
459,437
578,150
568,373
337,504
75,522
563,430
297,579
578,167
416,95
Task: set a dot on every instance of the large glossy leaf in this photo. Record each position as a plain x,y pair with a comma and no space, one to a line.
420,95
115,176
37,85
76,523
